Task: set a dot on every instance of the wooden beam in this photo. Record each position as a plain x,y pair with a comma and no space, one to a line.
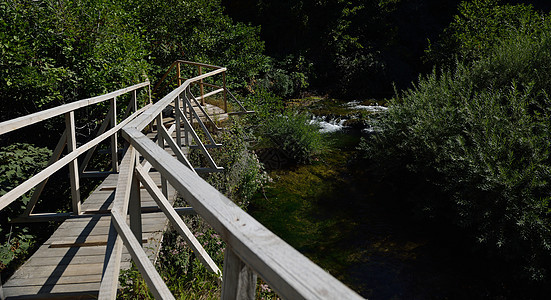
114,140
177,150
176,221
73,164
199,142
27,120
28,184
146,268
113,252
239,280
287,271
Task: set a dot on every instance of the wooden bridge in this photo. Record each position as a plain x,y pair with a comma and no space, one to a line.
123,219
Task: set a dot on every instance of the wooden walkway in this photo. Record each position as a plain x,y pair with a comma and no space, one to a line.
69,265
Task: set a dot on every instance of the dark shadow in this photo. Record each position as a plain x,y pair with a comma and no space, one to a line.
68,257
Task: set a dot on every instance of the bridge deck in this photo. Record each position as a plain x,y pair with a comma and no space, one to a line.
70,263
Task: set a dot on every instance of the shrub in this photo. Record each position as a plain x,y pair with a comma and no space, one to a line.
480,25
293,134
18,162
244,175
473,144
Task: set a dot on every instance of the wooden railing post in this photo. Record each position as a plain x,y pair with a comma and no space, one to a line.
177,121
135,208
114,141
134,101
201,86
73,165
239,281
161,144
224,93
178,74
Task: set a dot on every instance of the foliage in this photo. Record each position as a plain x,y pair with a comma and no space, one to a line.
292,133
198,31
58,52
286,78
473,147
18,162
243,174
184,274
353,48
480,25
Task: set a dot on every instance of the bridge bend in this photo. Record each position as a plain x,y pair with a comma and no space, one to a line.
123,218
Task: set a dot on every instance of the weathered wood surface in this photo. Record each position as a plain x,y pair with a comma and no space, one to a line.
75,272
290,273
23,121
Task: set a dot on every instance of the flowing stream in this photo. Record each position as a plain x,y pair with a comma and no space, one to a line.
334,214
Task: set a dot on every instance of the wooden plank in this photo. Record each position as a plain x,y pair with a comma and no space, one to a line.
21,189
23,121
146,268
239,280
177,222
43,281
62,291
113,253
290,273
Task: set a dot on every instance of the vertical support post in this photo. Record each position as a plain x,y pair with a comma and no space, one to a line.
184,109
161,142
134,101
73,165
114,141
149,92
178,73
177,121
135,208
201,86
239,281
225,93
190,107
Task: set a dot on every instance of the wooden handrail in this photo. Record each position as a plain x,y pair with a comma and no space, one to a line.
55,163
250,244
17,123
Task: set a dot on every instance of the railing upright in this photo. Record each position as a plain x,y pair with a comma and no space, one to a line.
73,165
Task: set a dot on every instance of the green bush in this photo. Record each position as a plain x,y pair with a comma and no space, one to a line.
18,162
243,174
293,134
474,147
480,26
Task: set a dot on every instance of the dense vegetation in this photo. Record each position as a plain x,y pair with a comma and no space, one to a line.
470,142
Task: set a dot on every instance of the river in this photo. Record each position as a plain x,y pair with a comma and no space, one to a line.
337,215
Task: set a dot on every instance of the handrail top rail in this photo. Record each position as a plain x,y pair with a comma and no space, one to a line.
23,121
144,119
187,62
290,273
